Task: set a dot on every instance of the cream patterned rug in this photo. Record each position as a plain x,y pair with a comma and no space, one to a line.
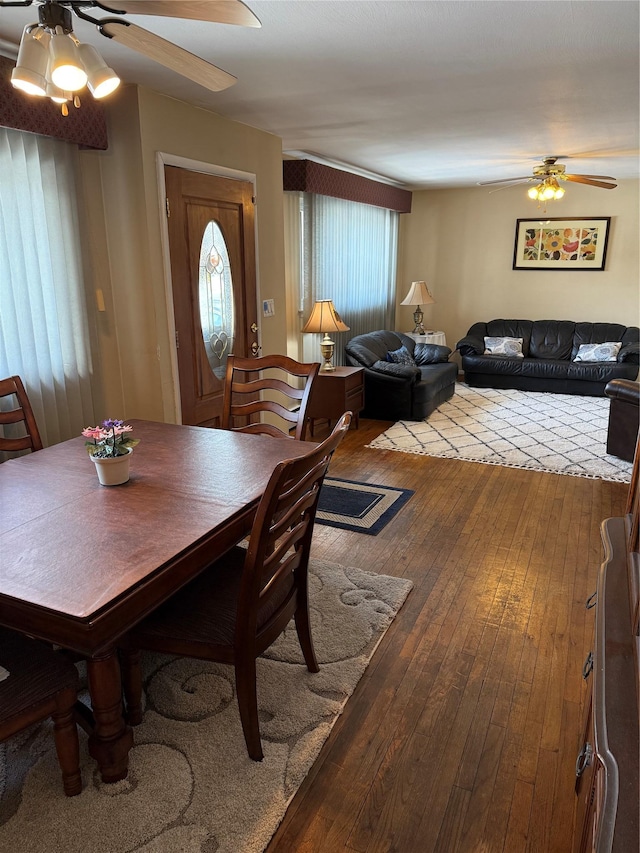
563,433
192,787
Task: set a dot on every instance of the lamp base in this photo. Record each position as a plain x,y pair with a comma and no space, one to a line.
418,317
326,348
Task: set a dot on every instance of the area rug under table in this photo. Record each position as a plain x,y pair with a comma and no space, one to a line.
562,433
192,787
362,507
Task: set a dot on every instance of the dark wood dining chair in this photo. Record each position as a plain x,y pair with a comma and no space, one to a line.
254,386
240,604
40,683
22,413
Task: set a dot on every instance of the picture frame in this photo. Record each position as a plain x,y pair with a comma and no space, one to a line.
568,244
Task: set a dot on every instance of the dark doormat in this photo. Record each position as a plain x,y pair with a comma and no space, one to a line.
362,507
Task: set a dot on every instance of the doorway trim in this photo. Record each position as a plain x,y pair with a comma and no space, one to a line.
165,159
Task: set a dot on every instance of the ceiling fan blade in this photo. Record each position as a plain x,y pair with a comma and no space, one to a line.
168,54
596,177
582,179
217,11
504,181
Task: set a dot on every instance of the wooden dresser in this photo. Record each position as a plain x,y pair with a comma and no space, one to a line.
607,766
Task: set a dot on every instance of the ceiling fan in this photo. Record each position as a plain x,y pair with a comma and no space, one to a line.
548,178
52,61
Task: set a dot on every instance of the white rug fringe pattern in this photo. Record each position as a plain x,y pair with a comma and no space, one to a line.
559,433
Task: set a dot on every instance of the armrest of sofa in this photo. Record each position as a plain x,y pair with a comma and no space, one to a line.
623,389
404,372
471,346
630,352
430,354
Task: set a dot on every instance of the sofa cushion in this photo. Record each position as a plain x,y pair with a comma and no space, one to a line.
401,356
365,350
430,354
607,351
552,339
400,371
597,333
507,347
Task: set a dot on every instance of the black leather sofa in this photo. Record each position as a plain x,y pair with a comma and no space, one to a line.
549,348
401,391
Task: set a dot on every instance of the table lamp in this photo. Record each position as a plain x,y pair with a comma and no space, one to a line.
325,318
418,295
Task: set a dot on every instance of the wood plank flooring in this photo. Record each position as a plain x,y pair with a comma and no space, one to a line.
462,734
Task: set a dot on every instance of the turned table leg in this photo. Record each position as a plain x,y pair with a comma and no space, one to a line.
112,738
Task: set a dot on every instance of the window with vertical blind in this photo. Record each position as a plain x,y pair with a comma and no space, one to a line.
345,251
44,334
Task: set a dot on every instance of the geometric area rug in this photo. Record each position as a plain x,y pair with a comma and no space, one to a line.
362,507
562,433
191,787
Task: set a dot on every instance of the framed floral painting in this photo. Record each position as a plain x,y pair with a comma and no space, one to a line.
561,244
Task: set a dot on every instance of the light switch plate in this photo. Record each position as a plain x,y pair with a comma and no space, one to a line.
268,308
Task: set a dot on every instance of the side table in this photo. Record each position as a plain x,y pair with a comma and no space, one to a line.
336,392
429,338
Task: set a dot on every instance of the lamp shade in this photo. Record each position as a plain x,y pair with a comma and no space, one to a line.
418,295
67,71
31,67
325,318
102,80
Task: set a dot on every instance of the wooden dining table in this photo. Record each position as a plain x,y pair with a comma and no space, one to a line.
81,563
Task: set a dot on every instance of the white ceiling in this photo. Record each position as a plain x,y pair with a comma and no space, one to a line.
429,93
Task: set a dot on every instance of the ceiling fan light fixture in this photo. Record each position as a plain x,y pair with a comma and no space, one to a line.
547,190
71,65
101,80
67,70
29,75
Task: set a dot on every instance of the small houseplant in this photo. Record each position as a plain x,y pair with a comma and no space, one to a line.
110,447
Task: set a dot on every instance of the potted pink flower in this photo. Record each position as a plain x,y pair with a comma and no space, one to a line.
110,447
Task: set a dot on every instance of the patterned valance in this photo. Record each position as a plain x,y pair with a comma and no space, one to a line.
86,126
310,177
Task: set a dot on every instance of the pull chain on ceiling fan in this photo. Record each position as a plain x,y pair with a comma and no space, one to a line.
548,179
52,62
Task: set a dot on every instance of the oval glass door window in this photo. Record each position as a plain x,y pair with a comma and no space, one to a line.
216,299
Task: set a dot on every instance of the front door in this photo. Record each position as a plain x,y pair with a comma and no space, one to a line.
213,273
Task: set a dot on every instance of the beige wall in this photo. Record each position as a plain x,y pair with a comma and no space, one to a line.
461,243
134,375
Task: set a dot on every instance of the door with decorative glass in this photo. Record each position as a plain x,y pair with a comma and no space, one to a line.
212,251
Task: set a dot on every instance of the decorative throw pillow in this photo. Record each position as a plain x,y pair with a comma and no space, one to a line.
507,347
401,356
599,352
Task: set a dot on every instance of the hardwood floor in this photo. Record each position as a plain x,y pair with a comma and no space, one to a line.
462,735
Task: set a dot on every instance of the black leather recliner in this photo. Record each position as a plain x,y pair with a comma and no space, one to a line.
393,391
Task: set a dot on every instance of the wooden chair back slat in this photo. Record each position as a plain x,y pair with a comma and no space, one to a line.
248,380
23,413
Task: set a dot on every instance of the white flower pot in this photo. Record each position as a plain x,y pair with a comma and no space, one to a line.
114,470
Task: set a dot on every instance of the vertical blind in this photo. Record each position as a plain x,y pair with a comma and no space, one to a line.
44,334
347,252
